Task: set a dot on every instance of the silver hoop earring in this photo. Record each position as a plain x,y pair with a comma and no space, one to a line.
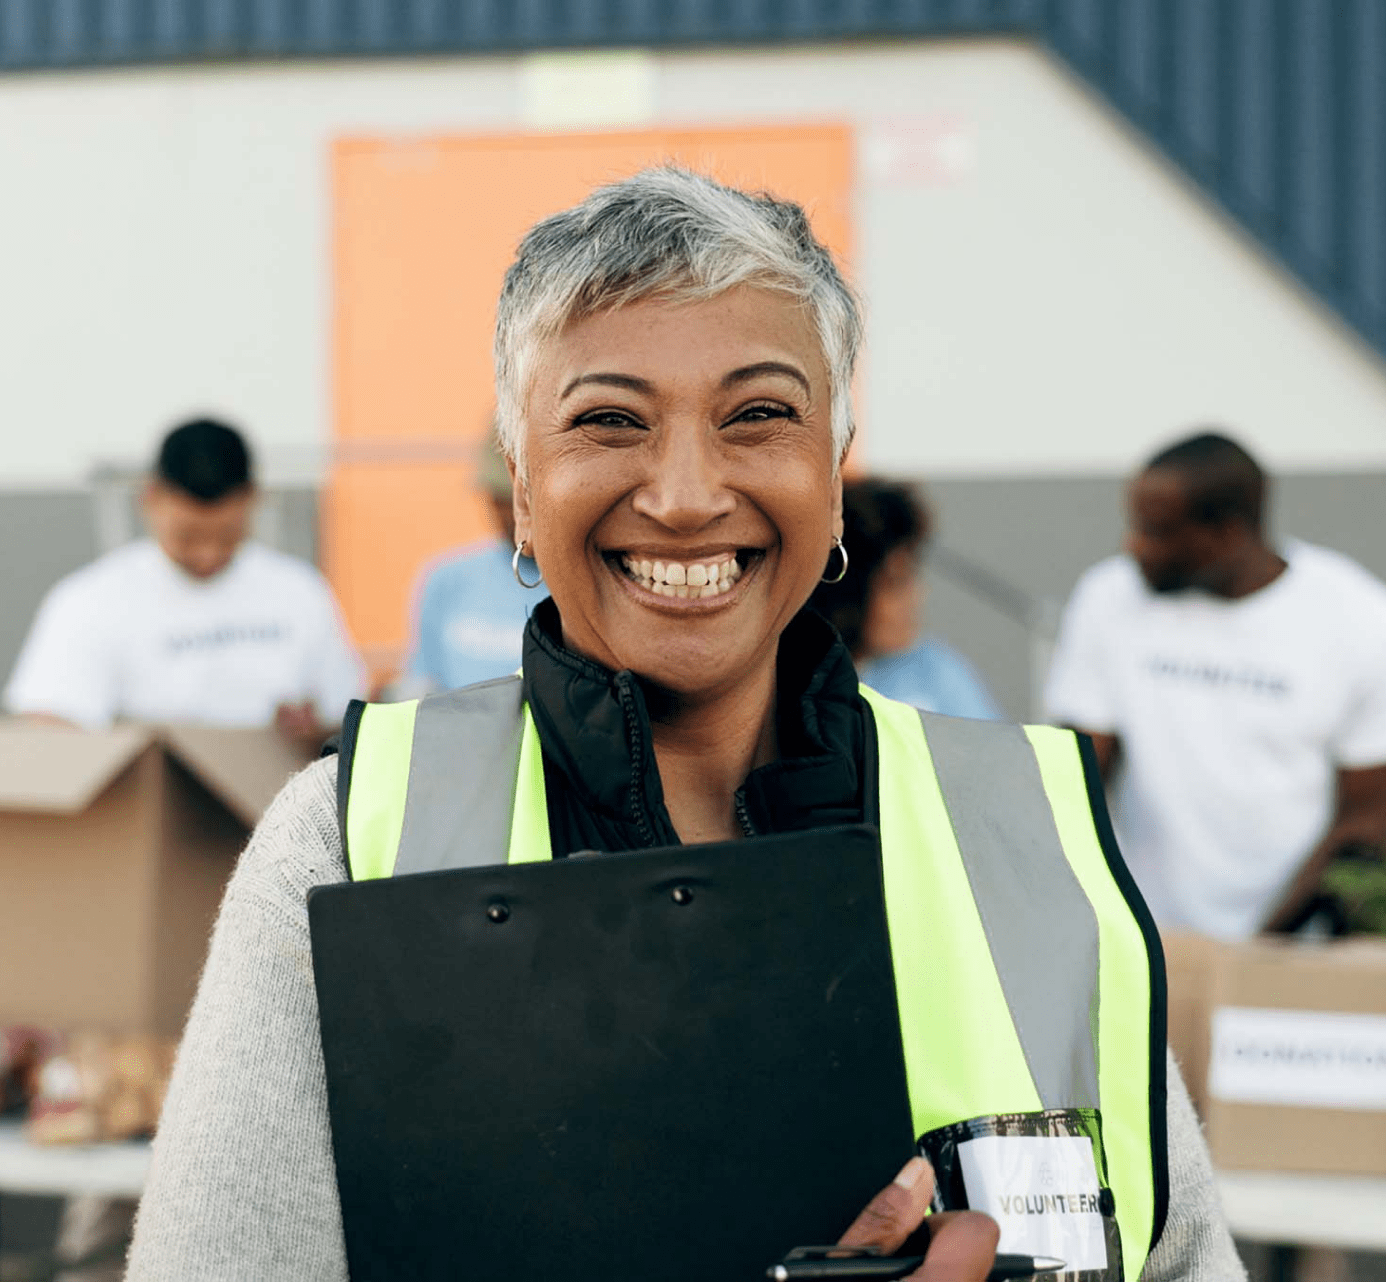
515,568
840,548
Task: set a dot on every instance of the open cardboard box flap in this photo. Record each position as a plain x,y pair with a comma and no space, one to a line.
243,769
58,770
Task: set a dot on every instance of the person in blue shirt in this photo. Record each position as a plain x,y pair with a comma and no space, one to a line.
472,609
876,605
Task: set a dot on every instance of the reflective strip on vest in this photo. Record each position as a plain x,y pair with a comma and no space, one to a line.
1022,975
434,783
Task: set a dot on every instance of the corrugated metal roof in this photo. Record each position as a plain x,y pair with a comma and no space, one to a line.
65,33
1277,107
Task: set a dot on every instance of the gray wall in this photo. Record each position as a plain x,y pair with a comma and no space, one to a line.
1038,535
42,537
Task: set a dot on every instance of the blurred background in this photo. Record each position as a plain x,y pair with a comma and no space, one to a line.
1081,228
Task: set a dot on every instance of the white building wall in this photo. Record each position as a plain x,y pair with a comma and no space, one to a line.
1045,297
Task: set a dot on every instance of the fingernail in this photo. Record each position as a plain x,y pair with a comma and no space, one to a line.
910,1172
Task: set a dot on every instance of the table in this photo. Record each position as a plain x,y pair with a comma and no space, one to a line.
101,1170
1344,1211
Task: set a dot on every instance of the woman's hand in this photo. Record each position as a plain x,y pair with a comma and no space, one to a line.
962,1244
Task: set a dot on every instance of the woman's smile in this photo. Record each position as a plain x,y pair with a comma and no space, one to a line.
684,578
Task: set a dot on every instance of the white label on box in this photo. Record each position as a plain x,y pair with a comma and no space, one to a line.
1301,1058
1043,1192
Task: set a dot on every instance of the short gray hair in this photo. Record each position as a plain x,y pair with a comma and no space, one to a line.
676,235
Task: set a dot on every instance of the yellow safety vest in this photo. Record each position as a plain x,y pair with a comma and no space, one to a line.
1028,973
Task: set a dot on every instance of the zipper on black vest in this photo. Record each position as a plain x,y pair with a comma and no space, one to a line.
743,814
636,738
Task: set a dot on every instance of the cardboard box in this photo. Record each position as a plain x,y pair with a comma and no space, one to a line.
1297,1057
115,847
1191,967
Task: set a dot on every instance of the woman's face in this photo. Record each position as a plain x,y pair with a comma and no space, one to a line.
681,497
892,605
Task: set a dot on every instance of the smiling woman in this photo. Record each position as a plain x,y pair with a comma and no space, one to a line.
673,362
681,496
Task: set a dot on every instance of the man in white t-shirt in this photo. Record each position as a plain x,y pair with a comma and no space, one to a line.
1235,695
196,623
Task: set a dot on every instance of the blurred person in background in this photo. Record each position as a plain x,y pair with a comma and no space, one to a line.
1235,693
195,623
472,610
876,604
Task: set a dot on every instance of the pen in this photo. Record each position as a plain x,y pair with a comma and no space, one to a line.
897,1266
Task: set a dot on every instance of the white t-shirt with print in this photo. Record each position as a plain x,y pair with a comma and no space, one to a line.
131,636
1233,716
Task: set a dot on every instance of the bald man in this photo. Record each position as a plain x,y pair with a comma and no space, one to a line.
1235,692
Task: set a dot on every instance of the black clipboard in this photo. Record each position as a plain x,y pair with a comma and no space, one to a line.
674,1064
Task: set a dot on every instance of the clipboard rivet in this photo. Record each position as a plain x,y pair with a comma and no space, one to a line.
681,895
498,913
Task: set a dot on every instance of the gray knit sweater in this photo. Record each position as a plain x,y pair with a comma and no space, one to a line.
242,1183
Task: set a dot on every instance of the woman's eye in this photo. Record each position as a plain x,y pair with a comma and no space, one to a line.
606,418
760,413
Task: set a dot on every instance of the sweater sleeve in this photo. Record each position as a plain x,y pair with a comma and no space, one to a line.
242,1183
1196,1245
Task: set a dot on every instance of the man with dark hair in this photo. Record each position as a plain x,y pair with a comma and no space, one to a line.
1235,692
206,459
199,500
196,623
1196,520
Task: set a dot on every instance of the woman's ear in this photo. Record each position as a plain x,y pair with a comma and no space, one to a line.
837,505
520,493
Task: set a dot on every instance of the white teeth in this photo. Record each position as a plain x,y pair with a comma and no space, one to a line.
699,579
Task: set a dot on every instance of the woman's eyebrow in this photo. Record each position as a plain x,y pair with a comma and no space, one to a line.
747,372
628,381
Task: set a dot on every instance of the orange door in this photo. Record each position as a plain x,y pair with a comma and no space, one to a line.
424,232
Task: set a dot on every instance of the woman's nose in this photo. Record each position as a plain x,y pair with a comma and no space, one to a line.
687,486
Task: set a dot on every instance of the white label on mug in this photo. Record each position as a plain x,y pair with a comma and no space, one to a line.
1304,1058
1043,1192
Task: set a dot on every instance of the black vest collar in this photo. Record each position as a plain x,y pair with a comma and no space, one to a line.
604,787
